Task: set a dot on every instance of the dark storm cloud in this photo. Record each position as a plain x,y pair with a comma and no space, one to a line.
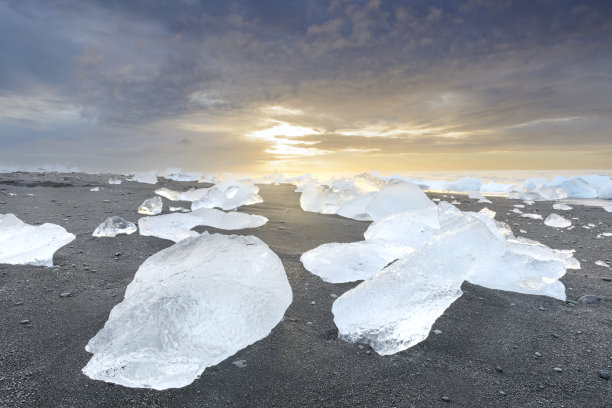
480,68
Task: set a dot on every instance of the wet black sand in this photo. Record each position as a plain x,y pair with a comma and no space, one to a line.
301,363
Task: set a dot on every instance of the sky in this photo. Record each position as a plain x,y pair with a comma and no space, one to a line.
306,86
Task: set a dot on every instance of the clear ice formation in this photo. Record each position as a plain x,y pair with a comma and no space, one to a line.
395,309
189,307
146,178
365,198
114,180
229,194
151,206
113,226
25,244
177,226
557,221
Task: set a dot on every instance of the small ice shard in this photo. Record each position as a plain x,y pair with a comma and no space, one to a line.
189,307
532,216
396,308
25,244
489,213
95,189
114,226
178,175
339,262
114,180
561,207
151,206
181,209
177,226
557,221
147,178
519,205
602,263
479,197
517,211
528,202
455,202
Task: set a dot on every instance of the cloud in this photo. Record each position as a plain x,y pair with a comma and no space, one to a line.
467,76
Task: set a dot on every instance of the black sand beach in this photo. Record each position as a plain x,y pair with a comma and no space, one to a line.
485,356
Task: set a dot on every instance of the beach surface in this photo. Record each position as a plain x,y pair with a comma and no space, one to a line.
496,348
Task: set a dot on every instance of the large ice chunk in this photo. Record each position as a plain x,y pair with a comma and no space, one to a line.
114,180
557,221
151,206
177,226
25,244
578,188
358,200
189,307
113,226
147,178
395,308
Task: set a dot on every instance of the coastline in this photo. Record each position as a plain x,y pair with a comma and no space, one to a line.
300,364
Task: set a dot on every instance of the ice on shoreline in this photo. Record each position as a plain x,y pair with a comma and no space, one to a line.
396,307
113,226
366,198
177,226
151,206
25,244
189,307
146,178
557,221
229,194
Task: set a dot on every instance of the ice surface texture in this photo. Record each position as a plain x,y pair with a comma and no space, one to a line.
177,226
25,244
337,263
395,308
189,307
151,206
114,226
